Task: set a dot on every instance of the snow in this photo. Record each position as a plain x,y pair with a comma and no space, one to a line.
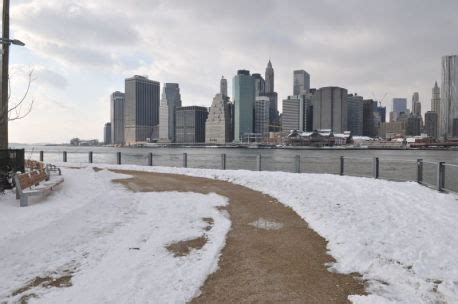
111,240
400,236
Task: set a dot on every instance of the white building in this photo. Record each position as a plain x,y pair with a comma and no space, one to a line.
261,115
218,124
170,101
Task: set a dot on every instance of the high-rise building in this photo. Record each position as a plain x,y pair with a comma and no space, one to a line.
259,84
381,112
330,109
431,123
141,110
261,116
449,95
218,124
170,101
415,99
269,78
455,127
369,118
301,83
399,106
107,133
223,86
117,100
436,99
190,124
413,125
244,96
355,114
297,114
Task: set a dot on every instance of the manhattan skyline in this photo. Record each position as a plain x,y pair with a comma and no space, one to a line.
392,48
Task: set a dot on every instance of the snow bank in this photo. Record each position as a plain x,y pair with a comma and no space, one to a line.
402,237
111,241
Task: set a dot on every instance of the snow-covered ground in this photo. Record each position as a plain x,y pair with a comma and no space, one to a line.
110,240
402,237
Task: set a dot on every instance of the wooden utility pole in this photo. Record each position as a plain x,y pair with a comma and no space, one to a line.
4,77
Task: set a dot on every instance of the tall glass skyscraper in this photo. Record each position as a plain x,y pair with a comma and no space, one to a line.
243,87
170,101
449,95
117,100
301,83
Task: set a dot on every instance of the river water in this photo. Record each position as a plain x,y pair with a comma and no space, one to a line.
394,164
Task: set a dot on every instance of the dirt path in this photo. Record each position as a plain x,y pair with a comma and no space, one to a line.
283,265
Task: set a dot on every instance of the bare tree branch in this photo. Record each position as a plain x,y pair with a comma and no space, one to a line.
16,112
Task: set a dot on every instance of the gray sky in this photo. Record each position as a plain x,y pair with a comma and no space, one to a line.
82,50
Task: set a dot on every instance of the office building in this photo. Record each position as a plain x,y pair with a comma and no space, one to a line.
449,95
141,110
269,78
415,100
389,130
355,114
218,124
399,106
369,118
117,100
223,86
259,85
244,96
170,101
330,109
261,116
413,125
301,84
107,134
431,123
436,99
190,124
455,127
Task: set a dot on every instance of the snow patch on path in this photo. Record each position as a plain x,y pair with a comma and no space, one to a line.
402,237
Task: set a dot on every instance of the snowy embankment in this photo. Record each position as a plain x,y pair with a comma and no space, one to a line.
402,237
105,244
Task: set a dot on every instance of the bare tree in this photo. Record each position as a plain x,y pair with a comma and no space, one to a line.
22,107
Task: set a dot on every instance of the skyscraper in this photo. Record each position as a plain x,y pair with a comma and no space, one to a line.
259,84
436,99
431,123
107,134
141,110
170,100
190,124
449,95
223,86
269,78
330,109
218,124
301,83
415,99
117,100
355,114
399,106
369,119
261,115
244,96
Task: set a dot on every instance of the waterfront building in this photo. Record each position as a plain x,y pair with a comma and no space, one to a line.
369,118
431,124
170,101
449,95
301,82
259,85
291,115
330,109
190,124
399,106
218,124
223,86
389,130
141,110
244,96
413,125
381,112
436,99
415,100
269,78
455,127
117,100
107,133
261,116
355,114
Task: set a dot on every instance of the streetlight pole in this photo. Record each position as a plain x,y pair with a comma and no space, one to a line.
4,77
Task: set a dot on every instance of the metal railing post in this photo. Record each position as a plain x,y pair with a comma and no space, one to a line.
185,160
341,171
375,167
440,176
297,161
420,171
150,159
64,156
41,156
90,157
258,162
118,158
223,161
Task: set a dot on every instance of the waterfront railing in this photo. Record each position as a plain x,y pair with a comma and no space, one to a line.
438,175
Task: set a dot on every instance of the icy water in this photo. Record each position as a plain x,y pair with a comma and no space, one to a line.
394,164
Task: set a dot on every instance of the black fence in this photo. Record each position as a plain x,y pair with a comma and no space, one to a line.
11,160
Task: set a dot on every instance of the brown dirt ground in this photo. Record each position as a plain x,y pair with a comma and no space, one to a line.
260,266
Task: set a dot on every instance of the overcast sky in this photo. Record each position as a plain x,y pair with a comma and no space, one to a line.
82,50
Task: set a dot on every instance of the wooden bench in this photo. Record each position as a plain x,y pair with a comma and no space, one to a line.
34,183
